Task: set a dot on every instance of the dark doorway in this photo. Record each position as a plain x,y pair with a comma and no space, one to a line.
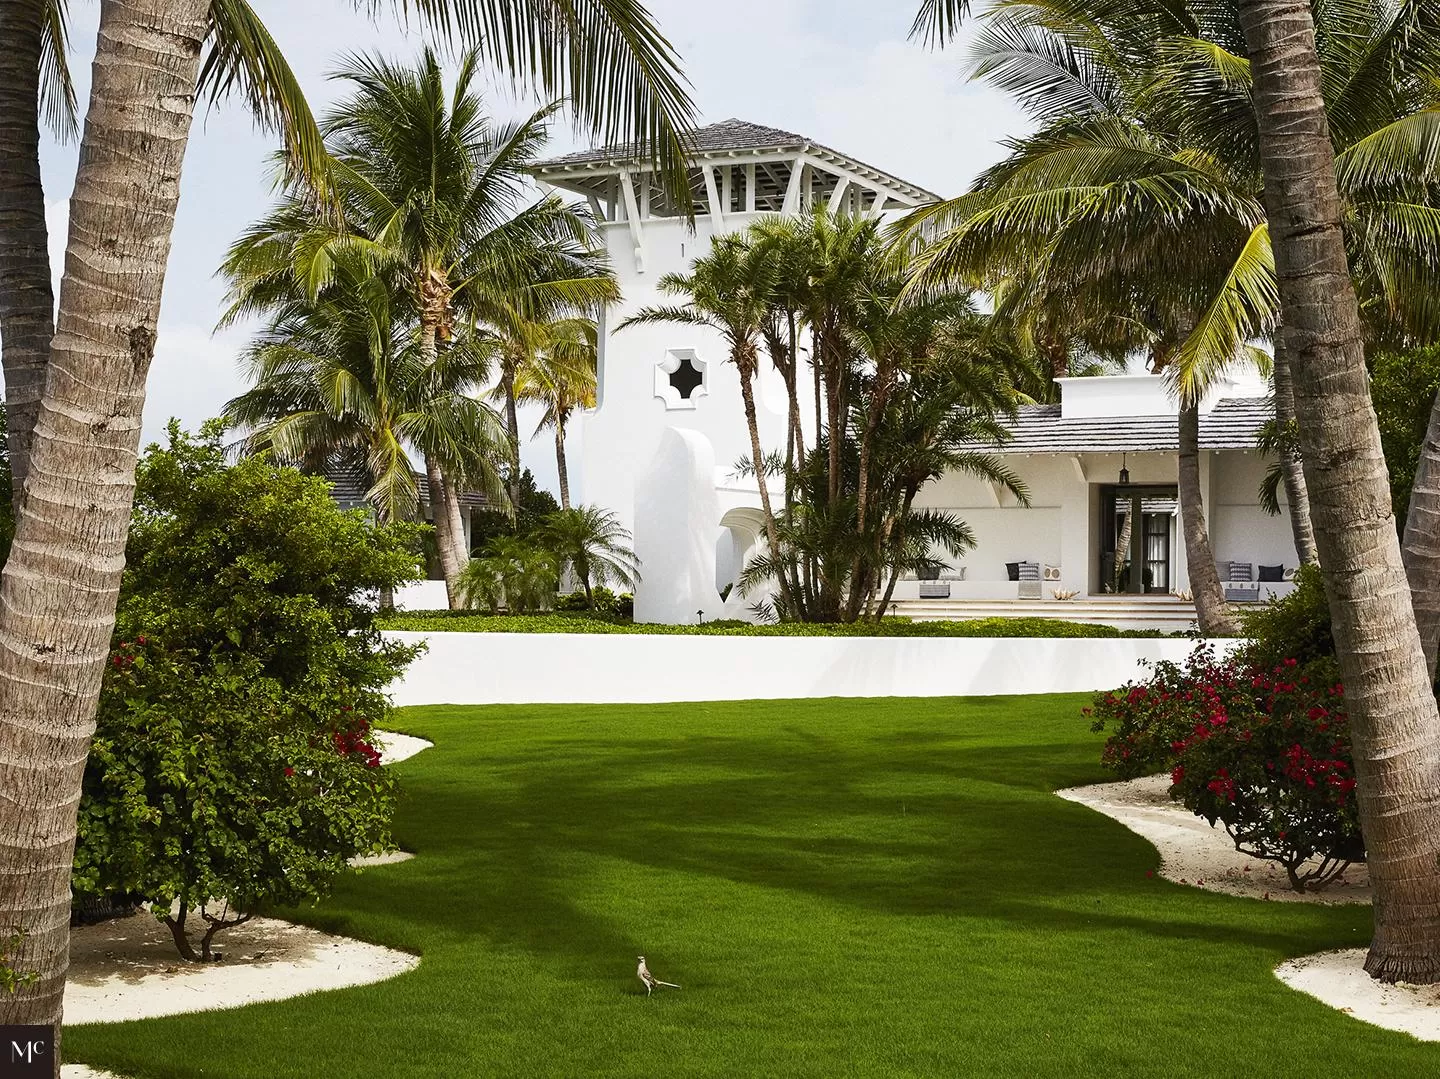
1136,524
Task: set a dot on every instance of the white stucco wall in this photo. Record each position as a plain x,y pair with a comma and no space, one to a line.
1241,531
546,668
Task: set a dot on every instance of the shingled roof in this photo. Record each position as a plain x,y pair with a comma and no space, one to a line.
723,137
729,134
348,485
1233,424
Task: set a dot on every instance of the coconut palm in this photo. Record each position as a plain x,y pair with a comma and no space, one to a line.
594,545
561,378
60,584
1388,690
346,380
1336,127
435,197
1147,146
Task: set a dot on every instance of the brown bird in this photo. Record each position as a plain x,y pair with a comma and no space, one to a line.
649,980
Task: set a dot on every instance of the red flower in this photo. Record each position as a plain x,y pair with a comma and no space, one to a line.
289,772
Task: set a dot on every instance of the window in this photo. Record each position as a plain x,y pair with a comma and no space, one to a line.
680,378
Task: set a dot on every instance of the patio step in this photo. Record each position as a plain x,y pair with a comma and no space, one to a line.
1166,615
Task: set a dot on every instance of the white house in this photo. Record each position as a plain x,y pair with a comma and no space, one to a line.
660,446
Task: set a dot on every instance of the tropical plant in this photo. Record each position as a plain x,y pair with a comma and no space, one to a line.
433,198
560,377
232,765
1148,145
512,573
1389,692
621,78
592,543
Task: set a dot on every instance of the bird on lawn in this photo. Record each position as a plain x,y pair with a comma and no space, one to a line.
649,980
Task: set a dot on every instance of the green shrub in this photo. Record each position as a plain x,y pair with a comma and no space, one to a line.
513,573
231,762
1296,626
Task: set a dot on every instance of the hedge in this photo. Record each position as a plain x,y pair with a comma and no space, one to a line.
471,622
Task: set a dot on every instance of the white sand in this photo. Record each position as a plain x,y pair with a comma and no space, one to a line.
1339,980
127,968
365,861
395,747
83,1071
1194,853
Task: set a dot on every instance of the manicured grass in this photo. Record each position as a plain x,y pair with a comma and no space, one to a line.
844,888
465,622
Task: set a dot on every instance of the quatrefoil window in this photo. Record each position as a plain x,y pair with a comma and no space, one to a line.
685,379
680,378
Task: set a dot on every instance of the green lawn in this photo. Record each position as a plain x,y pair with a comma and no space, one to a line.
844,888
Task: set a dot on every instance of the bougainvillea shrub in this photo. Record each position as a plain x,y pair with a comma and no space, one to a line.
1272,764
233,765
1147,717
1264,752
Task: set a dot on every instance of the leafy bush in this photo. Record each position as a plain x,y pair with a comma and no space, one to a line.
1147,718
1264,751
584,622
232,762
513,573
1271,762
1295,626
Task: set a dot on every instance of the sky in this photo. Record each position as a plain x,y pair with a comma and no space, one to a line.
838,71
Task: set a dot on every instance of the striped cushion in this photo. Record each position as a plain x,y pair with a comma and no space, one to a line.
1242,571
1029,571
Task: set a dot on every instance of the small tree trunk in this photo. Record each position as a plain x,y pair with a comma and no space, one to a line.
59,587
512,428
1421,551
445,543
772,536
560,467
1211,610
27,302
1122,549
182,939
1292,471
1388,691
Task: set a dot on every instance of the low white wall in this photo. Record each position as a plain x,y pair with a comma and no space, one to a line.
564,668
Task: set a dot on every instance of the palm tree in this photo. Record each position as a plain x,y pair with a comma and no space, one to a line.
345,380
59,587
1148,146
592,542
513,572
1388,691
561,378
729,290
435,197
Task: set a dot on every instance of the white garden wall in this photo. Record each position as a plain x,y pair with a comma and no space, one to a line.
561,668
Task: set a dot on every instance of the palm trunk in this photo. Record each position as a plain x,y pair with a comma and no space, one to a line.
58,590
1211,610
512,428
772,535
1292,471
1122,547
27,303
456,520
1388,692
445,544
561,469
1421,551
